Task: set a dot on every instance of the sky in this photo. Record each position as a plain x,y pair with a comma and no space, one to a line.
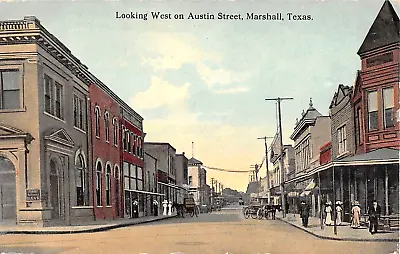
205,81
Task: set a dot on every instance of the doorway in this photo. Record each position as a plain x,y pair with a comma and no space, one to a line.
54,190
8,212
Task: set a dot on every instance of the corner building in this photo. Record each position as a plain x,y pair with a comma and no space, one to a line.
44,149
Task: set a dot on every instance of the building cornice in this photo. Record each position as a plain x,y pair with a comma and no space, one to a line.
30,31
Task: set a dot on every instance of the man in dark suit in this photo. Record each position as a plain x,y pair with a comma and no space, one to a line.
374,213
304,213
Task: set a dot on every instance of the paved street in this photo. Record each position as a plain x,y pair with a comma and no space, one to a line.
219,232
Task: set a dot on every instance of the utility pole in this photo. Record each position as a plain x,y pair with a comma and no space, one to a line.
212,191
279,99
266,166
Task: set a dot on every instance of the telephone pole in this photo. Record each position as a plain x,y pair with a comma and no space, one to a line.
266,166
278,100
212,191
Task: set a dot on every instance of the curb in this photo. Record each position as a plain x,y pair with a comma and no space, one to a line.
91,230
337,238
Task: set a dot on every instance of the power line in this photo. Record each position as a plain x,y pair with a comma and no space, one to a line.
228,170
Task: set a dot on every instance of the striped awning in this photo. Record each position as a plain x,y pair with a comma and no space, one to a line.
308,189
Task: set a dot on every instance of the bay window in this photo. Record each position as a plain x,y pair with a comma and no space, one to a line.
388,107
372,110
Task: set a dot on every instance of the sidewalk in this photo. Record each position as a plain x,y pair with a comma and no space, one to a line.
344,231
90,227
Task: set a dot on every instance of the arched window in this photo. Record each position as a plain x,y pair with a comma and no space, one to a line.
134,144
98,184
115,131
97,114
108,185
107,126
129,141
80,181
123,138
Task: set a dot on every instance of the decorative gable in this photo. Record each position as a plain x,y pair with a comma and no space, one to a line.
61,136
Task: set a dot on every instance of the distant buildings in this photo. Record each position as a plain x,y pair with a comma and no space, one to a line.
198,182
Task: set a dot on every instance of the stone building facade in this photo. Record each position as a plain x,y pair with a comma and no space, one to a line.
45,155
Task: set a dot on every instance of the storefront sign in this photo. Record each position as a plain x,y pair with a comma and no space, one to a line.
33,195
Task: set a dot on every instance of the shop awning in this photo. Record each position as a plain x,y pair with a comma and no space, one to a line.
382,156
308,189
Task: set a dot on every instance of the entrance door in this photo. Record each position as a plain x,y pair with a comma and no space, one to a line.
54,191
8,213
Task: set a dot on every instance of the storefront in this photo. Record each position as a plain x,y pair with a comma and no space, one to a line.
140,203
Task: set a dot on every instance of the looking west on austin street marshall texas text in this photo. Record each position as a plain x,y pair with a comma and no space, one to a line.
223,16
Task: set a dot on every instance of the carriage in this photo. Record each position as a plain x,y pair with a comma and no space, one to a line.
260,211
190,207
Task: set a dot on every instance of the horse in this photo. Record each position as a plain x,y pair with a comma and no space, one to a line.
180,209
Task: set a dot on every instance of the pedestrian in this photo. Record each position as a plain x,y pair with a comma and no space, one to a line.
339,211
356,211
304,213
135,205
328,214
155,204
287,207
374,213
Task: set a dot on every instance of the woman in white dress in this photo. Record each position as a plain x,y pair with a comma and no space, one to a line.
328,212
355,222
338,213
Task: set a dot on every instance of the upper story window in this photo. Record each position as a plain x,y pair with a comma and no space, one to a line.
342,140
79,113
388,107
53,97
358,127
372,110
107,126
129,146
10,89
190,180
123,138
115,131
97,115
134,144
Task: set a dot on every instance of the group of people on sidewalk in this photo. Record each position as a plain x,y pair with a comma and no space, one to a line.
373,214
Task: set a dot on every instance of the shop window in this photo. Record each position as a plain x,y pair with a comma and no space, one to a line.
372,110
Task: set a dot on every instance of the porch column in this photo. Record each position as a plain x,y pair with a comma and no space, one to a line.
375,183
355,185
386,191
365,173
341,184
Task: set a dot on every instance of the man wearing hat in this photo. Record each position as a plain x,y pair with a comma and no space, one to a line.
374,213
304,213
